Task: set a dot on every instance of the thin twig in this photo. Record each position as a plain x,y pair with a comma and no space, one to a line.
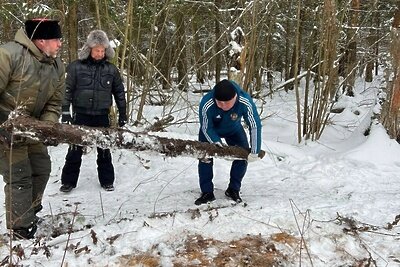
101,203
51,213
70,232
302,231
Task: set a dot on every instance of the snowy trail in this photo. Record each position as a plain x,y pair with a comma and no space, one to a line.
277,193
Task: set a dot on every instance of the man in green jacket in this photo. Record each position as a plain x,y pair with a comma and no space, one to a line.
32,82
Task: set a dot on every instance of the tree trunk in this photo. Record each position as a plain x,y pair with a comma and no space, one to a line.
198,49
237,59
326,76
218,46
98,17
288,27
128,25
72,18
181,48
351,49
55,133
390,110
369,68
296,64
250,66
163,57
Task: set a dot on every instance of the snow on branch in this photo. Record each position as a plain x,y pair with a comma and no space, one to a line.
237,55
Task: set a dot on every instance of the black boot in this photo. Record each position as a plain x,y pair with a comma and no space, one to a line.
25,233
66,188
204,198
233,194
37,208
108,187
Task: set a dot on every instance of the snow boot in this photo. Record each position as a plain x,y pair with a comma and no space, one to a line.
66,188
108,187
25,233
233,194
204,198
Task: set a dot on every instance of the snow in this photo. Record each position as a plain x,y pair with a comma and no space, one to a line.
339,195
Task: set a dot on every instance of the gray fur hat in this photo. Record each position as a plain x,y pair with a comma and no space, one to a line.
96,37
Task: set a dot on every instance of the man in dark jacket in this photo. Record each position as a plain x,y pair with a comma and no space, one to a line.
32,81
91,83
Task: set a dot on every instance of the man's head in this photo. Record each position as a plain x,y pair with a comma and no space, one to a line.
45,34
225,95
97,46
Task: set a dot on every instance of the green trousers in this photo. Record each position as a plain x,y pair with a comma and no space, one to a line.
25,170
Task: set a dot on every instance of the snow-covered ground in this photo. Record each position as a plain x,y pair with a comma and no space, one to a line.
328,203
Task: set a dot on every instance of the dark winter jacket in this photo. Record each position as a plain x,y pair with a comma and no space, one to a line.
90,86
30,80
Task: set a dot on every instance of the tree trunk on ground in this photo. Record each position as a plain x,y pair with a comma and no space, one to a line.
54,133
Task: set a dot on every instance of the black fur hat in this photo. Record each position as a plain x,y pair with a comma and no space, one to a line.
96,37
224,90
42,29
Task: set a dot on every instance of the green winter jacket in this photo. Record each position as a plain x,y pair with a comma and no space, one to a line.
30,81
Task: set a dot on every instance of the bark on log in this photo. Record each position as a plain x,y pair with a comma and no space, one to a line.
55,133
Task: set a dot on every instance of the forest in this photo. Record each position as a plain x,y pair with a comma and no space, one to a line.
167,48
325,78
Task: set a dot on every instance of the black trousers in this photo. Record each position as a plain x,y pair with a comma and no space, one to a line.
73,160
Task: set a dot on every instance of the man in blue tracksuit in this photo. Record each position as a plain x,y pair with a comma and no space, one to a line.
220,112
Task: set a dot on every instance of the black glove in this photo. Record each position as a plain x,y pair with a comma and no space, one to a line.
122,120
5,137
66,118
50,142
66,115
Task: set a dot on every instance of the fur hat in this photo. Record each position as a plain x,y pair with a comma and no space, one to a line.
96,37
42,29
224,91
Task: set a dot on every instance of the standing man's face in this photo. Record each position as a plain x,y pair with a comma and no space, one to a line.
98,52
50,47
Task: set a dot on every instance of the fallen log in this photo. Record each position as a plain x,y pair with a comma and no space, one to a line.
55,133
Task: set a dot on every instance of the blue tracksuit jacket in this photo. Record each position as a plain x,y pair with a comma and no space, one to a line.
216,123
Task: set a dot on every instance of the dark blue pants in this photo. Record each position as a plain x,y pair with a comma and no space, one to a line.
238,168
73,160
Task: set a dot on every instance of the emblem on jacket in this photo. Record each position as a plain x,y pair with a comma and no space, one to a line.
218,116
234,116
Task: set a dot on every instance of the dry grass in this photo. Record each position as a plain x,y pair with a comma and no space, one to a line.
145,260
251,250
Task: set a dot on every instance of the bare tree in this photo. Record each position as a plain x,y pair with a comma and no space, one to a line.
390,112
326,76
72,29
